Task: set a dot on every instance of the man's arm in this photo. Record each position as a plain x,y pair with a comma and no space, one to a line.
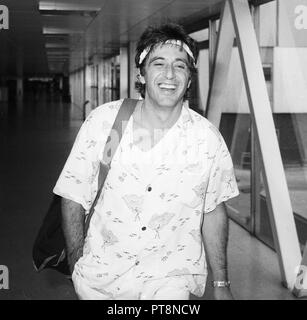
215,237
73,227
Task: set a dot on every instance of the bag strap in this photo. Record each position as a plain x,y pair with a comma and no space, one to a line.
125,111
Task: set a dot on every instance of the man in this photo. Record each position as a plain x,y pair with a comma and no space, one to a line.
162,205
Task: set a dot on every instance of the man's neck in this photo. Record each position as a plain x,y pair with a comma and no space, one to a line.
157,117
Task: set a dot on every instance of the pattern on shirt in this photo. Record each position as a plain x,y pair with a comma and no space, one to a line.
195,233
134,203
109,238
158,222
200,190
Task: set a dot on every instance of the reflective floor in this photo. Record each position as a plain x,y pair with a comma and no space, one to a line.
35,139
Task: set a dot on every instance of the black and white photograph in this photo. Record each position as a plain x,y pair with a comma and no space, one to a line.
154,151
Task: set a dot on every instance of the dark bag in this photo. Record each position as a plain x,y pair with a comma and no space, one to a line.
49,246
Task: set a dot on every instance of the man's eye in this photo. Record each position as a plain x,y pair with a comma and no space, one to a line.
180,66
158,64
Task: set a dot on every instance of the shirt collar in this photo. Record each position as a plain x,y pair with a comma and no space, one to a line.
185,118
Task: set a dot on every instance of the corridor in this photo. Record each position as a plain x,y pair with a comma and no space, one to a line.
36,137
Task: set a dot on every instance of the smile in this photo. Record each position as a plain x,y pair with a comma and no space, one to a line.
166,86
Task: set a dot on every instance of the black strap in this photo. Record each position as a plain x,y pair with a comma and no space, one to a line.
125,111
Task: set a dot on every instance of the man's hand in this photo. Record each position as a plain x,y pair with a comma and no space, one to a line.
215,237
222,294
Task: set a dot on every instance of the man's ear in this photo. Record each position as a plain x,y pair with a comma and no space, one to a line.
141,78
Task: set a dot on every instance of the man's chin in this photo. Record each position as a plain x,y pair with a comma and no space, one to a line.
169,102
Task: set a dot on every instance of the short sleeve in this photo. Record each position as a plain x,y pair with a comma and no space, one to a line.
78,179
222,183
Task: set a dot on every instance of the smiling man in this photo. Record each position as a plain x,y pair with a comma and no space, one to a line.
161,214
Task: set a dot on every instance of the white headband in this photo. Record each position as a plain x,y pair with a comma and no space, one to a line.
174,42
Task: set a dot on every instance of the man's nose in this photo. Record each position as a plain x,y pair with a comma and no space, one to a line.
169,71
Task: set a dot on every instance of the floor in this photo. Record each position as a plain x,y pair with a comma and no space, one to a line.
35,139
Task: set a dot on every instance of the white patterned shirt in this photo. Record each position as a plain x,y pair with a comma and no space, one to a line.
149,215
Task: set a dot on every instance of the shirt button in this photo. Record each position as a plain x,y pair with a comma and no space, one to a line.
143,228
149,188
137,262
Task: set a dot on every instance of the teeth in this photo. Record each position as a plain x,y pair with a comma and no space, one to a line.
167,86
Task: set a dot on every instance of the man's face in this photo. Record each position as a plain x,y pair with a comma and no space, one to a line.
167,76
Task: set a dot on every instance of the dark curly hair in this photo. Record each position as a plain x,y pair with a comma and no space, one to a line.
154,36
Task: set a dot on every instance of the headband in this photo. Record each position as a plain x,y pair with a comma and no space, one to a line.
178,43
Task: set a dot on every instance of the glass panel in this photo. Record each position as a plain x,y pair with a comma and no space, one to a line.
198,91
235,127
285,50
203,78
94,86
263,227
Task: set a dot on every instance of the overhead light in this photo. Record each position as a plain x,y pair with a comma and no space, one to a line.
58,36
66,6
78,13
57,55
58,59
56,46
60,31
59,49
43,79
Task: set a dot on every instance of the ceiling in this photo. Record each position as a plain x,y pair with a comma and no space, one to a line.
59,36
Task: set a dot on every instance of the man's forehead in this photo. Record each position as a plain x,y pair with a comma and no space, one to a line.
168,50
